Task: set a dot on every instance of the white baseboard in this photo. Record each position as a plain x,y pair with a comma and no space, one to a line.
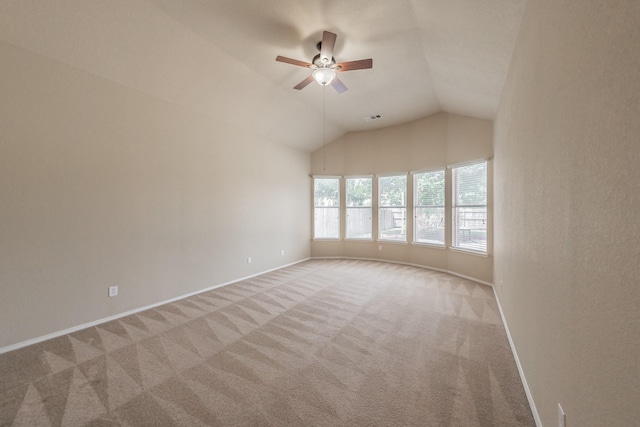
527,390
136,310
441,270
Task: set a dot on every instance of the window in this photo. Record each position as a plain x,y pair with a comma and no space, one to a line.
326,204
392,208
429,207
470,207
358,194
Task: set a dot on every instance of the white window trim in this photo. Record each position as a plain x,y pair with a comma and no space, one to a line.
480,253
469,163
384,175
468,251
429,245
379,207
346,208
418,172
442,245
339,207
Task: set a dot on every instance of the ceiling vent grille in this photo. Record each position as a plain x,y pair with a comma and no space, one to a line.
373,118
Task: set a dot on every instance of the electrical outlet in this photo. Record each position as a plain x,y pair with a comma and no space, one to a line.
501,284
282,252
561,417
379,247
248,260
113,291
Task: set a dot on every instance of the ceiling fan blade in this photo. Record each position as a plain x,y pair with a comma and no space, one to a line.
326,49
304,83
292,61
338,85
355,65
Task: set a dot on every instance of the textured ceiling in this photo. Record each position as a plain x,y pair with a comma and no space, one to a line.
217,57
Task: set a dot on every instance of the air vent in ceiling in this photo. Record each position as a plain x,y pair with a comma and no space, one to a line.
372,118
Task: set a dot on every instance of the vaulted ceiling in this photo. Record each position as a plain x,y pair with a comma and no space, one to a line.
217,57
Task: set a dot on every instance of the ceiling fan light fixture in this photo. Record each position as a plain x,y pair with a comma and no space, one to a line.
324,76
324,65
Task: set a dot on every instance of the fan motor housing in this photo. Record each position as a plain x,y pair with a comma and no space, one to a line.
318,62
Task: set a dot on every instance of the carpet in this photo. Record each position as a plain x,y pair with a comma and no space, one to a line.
320,343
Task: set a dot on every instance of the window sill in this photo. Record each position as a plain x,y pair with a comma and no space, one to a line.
469,252
395,242
428,245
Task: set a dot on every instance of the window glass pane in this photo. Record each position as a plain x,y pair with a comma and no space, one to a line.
392,212
326,191
429,207
326,199
392,224
359,192
470,207
470,230
358,223
326,223
430,188
470,184
429,226
393,190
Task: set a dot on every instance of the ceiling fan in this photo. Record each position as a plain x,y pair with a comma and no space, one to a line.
324,65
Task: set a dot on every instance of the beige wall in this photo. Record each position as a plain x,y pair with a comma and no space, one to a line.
567,198
101,185
434,142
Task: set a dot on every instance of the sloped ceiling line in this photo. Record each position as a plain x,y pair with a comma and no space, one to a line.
218,57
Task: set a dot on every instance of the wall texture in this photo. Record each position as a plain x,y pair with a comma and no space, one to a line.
567,197
101,185
434,142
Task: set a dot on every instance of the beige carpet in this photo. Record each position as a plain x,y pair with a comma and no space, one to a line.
321,343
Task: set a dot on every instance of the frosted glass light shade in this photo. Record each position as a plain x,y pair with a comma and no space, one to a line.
324,76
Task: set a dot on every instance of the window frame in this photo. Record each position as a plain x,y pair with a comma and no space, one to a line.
417,206
455,239
347,208
382,207
337,207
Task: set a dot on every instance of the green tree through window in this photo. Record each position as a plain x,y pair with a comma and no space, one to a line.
392,210
326,201
359,193
429,217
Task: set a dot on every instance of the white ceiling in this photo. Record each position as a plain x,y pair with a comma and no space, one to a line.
217,57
